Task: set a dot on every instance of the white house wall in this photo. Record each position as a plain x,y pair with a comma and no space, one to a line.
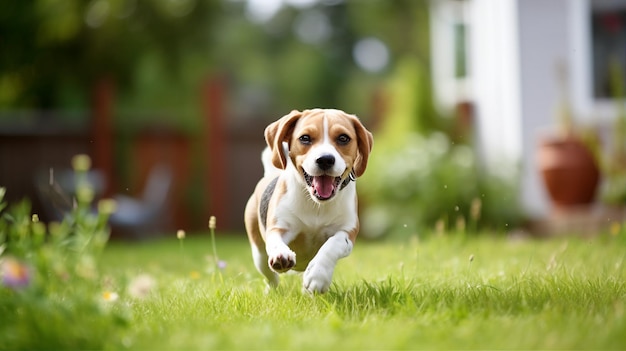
495,76
515,48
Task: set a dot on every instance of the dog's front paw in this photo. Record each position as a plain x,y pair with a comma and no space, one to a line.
282,260
317,277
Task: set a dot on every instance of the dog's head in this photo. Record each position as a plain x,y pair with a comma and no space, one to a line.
325,146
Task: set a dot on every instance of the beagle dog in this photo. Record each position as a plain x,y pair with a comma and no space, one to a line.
303,212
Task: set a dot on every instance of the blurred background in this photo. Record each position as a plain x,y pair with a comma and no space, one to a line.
169,98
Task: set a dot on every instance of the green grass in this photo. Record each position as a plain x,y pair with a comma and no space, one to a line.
444,292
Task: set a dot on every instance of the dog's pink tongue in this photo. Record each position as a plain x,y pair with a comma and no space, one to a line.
324,186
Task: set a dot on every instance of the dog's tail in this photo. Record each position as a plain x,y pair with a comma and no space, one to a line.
270,171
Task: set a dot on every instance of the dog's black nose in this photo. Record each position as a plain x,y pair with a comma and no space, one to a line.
325,162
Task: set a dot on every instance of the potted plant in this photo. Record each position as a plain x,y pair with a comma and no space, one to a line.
569,170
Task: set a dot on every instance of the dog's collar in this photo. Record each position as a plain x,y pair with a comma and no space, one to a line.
351,178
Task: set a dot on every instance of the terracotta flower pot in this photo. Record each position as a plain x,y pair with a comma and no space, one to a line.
570,172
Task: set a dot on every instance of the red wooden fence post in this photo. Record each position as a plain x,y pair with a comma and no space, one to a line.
103,96
215,133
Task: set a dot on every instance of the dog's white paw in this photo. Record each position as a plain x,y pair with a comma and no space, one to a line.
317,277
281,259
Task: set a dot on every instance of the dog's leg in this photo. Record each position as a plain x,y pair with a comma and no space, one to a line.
260,261
280,257
319,272
259,256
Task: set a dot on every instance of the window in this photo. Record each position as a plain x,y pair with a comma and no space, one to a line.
608,47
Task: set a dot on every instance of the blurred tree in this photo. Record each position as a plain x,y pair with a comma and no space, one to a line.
404,26
305,56
55,48
299,58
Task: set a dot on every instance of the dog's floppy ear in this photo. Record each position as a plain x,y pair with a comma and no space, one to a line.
278,132
364,143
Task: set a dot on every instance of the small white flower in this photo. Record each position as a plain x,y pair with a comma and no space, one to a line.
141,286
110,296
212,222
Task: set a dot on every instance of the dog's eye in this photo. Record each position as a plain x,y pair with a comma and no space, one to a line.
343,139
305,139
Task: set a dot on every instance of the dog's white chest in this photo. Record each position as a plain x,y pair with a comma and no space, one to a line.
310,224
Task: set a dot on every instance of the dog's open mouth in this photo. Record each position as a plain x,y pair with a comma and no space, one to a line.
324,186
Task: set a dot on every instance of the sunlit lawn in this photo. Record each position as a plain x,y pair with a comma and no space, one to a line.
442,292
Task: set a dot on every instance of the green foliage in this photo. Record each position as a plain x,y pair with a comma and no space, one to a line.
410,108
428,179
613,163
274,68
159,52
51,295
53,50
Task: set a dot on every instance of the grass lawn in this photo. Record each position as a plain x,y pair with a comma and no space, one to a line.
442,292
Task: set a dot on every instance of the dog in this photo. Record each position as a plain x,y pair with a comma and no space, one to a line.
302,215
